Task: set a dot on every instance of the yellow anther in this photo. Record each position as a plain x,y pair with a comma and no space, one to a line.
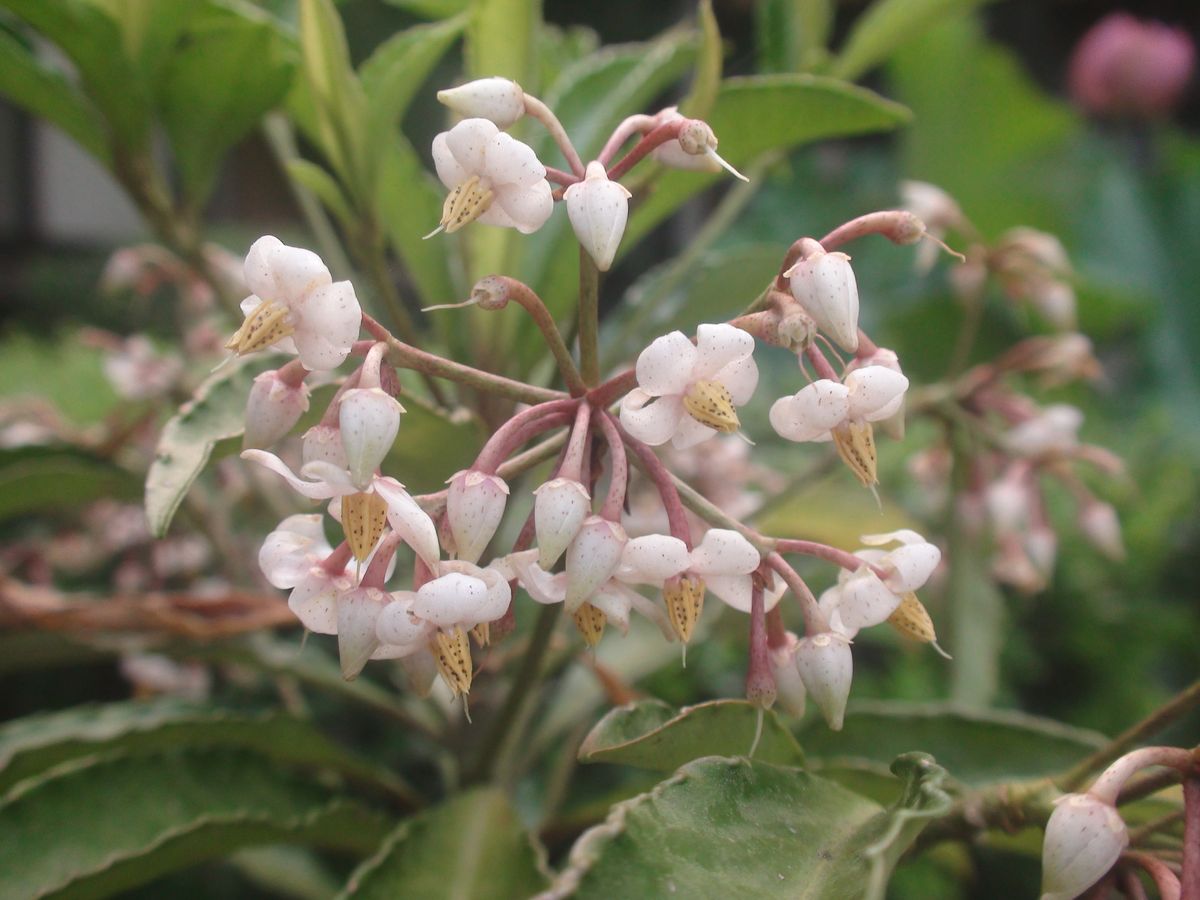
268,323
465,204
590,621
855,442
711,404
363,519
685,601
452,650
911,620
482,633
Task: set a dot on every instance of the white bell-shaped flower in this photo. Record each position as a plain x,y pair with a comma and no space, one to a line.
687,393
499,100
559,508
296,307
272,409
827,667
291,557
824,285
1084,838
592,557
368,420
463,596
869,394
475,504
493,178
789,686
598,209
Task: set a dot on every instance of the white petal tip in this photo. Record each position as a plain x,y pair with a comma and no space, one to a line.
437,230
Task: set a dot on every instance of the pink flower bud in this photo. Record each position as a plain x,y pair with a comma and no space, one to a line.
824,285
827,668
789,686
357,612
1123,67
323,443
598,209
1084,838
499,100
369,419
1099,524
559,509
272,409
475,505
592,558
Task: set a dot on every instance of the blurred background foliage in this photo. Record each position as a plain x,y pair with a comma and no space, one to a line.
991,123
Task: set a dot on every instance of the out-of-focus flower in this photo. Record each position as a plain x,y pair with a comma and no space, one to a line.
493,178
1053,432
938,210
687,393
1126,67
138,372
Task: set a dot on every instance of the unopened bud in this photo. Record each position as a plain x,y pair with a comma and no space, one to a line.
1084,838
824,285
789,686
475,505
598,209
358,613
559,508
272,409
369,419
498,99
827,667
592,558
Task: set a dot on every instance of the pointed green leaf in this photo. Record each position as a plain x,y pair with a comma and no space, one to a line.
978,747
95,826
323,185
150,28
34,744
44,478
471,848
652,735
742,828
706,79
216,412
885,26
432,9
46,92
758,114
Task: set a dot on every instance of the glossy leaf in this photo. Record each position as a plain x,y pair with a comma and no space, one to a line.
652,735
977,747
216,412
742,828
885,26
471,848
34,744
98,825
758,114
40,479
216,87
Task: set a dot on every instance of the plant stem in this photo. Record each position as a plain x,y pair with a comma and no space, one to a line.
540,111
1163,717
647,460
501,287
1190,882
589,319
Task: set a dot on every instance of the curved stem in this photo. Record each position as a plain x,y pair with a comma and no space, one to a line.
618,482
540,111
520,428
842,558
897,225
615,387
501,288
649,463
1191,837
668,131
814,620
1108,786
636,124
820,364
1169,887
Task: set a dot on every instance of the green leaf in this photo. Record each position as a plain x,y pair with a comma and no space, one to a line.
324,186
977,747
45,92
216,412
150,28
432,444
652,735
218,84
706,79
740,828
432,9
99,825
758,114
500,39
886,25
34,744
471,848
38,479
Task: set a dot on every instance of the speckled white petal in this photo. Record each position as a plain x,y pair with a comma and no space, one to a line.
475,503
690,432
314,600
615,607
592,558
468,143
529,206
314,490
291,549
559,508
812,412
499,100
540,584
398,627
665,367
508,161
368,419
652,559
723,551
719,345
449,170
910,566
409,521
651,420
328,324
598,209
458,599
1084,839
357,612
275,271
865,601
874,391
824,285
740,378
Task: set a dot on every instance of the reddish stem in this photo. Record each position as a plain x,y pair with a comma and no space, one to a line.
1169,887
618,482
1190,882
558,176
760,681
618,385
668,131
293,373
376,572
571,466
677,518
846,560
776,632
897,225
820,364
1108,786
628,128
517,430
814,620
331,418
335,563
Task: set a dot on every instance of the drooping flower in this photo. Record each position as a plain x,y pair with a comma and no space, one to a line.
695,149
493,178
291,557
368,420
826,667
598,209
843,412
274,406
296,307
872,593
687,393
823,283
1052,432
475,504
1084,838
499,100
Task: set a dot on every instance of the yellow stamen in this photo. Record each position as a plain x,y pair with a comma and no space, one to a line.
912,620
711,404
363,519
482,633
465,204
590,621
452,651
685,601
267,324
855,442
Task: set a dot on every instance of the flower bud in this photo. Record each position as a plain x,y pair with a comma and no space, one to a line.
357,613
323,443
1099,524
592,558
789,686
500,100
1084,838
475,504
598,209
824,285
369,419
826,667
272,409
559,508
